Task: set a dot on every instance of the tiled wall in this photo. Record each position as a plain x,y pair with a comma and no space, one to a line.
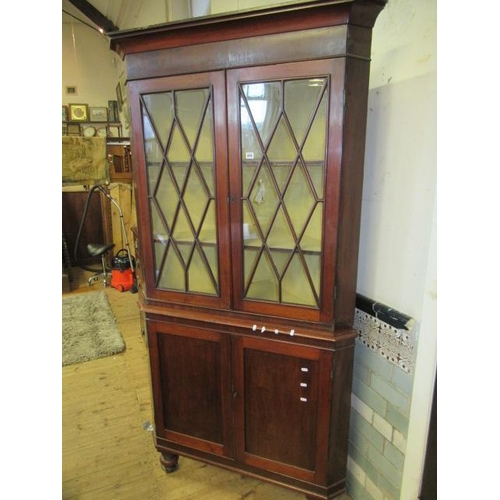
380,402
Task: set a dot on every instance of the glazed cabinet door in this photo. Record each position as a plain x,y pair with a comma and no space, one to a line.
191,387
282,407
285,143
179,142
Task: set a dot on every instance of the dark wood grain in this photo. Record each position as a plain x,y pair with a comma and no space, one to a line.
191,386
227,389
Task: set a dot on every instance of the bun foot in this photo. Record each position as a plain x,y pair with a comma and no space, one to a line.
169,462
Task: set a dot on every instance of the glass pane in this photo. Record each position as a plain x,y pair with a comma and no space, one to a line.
159,111
171,276
167,198
196,199
208,230
283,131
299,199
311,238
251,236
190,111
261,104
250,146
210,252
250,170
280,235
185,249
282,147
181,228
206,171
251,256
153,153
159,229
264,284
205,146
314,147
316,174
314,266
178,130
200,277
178,156
264,199
301,100
281,259
296,287
282,172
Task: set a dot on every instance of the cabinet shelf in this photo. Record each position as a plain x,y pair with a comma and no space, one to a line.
77,128
255,244
184,240
91,123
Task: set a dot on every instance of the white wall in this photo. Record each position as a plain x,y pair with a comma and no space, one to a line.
400,160
88,64
397,262
220,6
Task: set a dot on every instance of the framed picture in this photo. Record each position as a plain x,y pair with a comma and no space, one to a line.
99,114
119,97
101,132
73,129
65,113
114,132
78,112
113,111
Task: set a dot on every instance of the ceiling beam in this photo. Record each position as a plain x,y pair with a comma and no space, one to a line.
94,15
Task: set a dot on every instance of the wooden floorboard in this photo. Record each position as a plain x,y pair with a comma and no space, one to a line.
107,449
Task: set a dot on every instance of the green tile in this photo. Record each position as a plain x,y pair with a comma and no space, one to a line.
392,473
380,365
375,401
360,425
397,419
361,371
363,354
391,492
403,381
358,443
388,392
394,455
361,458
355,489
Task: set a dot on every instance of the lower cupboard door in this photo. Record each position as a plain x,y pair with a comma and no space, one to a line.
283,408
190,386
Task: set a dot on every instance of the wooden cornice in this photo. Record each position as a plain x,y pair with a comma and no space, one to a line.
248,23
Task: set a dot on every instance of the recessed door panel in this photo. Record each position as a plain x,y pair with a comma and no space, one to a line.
190,377
282,406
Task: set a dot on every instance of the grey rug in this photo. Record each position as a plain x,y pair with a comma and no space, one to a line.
89,329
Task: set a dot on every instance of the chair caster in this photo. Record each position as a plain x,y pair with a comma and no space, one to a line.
96,250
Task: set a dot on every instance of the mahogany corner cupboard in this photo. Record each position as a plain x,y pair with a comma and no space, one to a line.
248,134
